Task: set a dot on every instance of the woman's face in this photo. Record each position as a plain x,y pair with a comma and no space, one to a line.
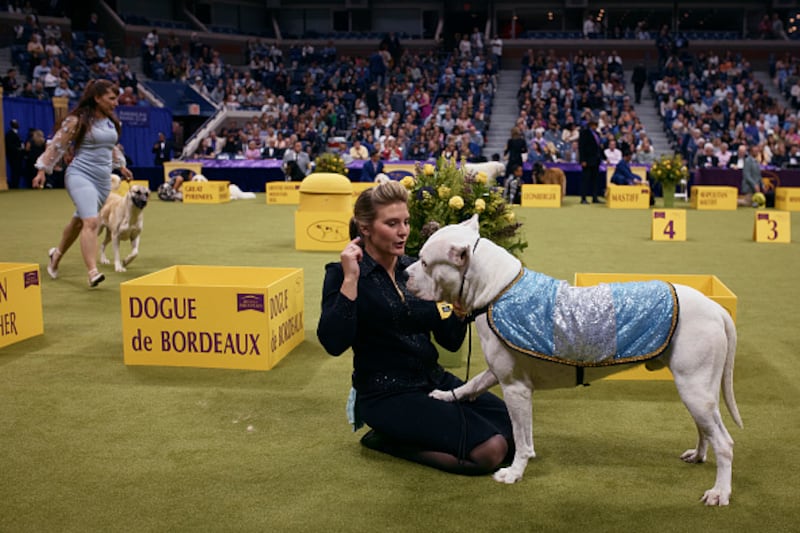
107,103
386,236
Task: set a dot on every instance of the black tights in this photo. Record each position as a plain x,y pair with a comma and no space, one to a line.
485,458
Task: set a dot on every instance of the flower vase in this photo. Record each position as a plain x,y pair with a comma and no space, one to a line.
668,191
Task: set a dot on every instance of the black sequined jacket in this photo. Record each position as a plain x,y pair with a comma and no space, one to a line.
388,328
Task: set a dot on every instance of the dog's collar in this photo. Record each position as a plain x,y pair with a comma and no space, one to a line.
485,309
464,274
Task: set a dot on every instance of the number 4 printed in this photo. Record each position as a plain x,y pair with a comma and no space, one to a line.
668,225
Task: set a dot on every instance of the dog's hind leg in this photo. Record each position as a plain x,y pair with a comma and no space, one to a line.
134,251
701,358
711,429
103,259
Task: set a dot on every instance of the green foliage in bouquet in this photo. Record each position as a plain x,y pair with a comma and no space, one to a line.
669,170
444,194
330,162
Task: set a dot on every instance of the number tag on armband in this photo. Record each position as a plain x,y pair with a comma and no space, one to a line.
445,309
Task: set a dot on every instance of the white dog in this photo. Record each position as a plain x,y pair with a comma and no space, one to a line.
235,192
492,169
459,266
122,218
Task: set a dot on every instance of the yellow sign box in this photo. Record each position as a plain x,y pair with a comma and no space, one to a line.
322,230
283,192
359,187
247,318
709,285
541,195
772,226
714,197
20,302
787,198
322,221
668,225
125,186
182,168
628,196
206,192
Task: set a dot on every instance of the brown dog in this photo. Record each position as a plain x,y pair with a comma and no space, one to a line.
550,176
122,218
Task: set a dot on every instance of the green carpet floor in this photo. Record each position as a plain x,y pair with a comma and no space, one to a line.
88,444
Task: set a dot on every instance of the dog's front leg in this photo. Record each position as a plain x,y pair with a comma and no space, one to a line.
469,390
134,251
117,262
517,395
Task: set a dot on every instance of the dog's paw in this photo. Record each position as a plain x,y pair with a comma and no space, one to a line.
104,260
507,475
716,497
119,268
443,395
128,260
693,456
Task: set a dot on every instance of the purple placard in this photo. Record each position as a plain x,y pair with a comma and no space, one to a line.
246,302
31,278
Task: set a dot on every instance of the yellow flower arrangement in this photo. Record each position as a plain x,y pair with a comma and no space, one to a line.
669,170
330,162
444,194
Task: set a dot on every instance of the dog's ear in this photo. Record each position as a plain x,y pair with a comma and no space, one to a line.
458,255
472,223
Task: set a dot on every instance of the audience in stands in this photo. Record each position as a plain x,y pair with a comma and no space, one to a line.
406,105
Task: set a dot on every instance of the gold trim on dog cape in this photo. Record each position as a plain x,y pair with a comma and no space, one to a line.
606,324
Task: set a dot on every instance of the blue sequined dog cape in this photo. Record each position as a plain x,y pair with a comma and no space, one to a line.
606,324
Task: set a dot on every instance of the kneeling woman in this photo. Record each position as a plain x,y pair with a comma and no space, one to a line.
366,307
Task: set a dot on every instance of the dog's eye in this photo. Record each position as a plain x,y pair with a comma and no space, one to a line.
424,263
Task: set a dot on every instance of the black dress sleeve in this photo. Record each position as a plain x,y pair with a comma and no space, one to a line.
337,326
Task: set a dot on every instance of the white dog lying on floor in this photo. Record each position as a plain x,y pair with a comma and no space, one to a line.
492,169
122,218
235,192
697,340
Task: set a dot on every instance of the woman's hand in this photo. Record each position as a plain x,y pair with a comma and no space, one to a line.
39,179
127,174
351,256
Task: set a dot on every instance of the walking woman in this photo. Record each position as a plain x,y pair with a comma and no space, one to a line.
89,135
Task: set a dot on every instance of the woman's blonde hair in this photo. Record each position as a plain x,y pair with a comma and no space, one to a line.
370,200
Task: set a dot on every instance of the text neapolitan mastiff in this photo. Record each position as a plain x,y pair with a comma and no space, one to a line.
588,328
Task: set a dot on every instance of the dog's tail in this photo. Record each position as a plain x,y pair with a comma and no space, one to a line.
727,371
115,181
